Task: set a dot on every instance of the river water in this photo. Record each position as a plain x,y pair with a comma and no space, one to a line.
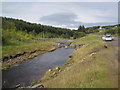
34,69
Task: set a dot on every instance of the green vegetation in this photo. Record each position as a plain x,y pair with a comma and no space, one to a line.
15,31
14,37
88,29
114,30
88,67
5,68
0,43
36,31
26,47
25,52
19,36
111,29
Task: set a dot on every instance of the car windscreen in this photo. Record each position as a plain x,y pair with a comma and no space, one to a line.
108,36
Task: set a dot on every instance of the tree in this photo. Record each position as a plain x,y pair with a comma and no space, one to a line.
81,28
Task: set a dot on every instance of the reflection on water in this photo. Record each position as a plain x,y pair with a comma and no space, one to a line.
32,70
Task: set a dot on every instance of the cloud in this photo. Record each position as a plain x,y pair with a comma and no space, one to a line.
72,20
57,18
60,0
99,24
64,19
63,14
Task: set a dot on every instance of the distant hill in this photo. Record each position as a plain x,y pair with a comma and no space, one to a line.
18,30
10,23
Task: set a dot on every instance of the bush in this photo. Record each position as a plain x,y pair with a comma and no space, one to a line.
78,35
13,36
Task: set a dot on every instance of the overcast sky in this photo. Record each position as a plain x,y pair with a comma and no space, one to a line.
63,14
59,0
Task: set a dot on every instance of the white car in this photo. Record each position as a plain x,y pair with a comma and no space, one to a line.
107,37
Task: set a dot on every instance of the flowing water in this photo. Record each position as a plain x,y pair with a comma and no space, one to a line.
34,69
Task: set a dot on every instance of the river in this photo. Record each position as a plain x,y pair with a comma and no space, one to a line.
33,70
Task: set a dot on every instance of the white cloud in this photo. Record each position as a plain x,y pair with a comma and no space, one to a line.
77,13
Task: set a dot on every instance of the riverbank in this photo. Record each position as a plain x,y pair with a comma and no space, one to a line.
30,71
16,54
92,66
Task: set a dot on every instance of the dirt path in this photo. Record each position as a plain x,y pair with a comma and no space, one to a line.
119,53
113,59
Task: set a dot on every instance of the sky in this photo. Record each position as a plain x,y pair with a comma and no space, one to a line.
63,14
60,0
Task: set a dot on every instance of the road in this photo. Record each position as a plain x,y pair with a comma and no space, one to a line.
118,62
114,52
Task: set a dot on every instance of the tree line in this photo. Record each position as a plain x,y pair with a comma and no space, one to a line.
48,31
16,29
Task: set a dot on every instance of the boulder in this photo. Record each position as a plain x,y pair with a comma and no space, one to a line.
38,86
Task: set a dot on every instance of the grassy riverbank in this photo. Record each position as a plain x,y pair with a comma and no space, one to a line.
91,66
12,50
29,50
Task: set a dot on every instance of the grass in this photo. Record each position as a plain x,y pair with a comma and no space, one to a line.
85,70
12,50
5,68
87,39
27,50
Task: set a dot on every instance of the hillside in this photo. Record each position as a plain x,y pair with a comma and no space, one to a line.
91,66
19,36
19,30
